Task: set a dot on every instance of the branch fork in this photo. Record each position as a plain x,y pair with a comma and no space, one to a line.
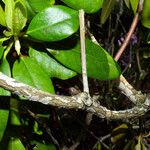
83,100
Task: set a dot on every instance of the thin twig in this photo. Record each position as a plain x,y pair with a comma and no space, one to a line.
131,30
44,125
74,146
128,37
83,51
84,64
99,140
138,60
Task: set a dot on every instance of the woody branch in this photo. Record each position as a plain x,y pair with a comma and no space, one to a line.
141,101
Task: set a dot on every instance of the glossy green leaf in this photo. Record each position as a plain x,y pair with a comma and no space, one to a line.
51,66
134,5
127,2
41,146
14,113
39,5
35,6
15,144
100,64
108,5
28,71
30,11
5,68
4,114
53,24
146,14
15,120
9,13
89,6
19,17
2,17
1,51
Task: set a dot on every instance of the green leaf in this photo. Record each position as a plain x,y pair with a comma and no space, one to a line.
15,119
19,17
119,133
127,2
3,39
30,11
28,71
140,145
89,6
41,146
54,23
14,113
39,5
134,5
9,12
148,38
1,51
37,129
108,5
2,48
51,66
4,114
100,64
5,68
146,14
16,15
15,144
130,145
2,17
35,6
143,146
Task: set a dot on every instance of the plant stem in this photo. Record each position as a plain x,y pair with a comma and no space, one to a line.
131,30
128,37
83,51
7,49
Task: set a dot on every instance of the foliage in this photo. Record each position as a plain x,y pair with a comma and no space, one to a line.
96,56
54,24
39,45
89,6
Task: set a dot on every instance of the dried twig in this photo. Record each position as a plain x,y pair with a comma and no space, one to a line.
83,56
83,51
84,64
